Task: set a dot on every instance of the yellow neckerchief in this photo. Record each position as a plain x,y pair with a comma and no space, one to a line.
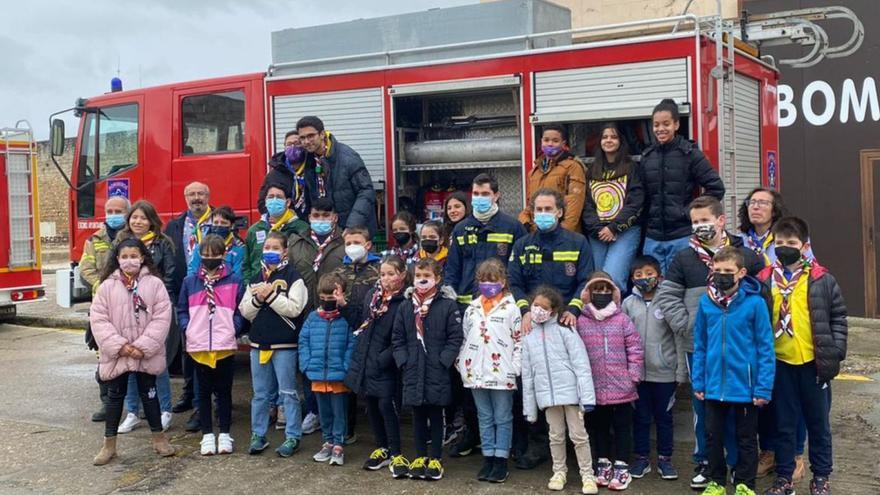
438,256
328,144
210,358
148,237
288,214
204,218
265,356
298,173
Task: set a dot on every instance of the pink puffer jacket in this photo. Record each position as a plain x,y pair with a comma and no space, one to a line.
112,317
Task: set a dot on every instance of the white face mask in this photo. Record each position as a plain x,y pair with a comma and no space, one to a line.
540,315
355,251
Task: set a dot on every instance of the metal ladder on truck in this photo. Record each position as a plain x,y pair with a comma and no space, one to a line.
20,153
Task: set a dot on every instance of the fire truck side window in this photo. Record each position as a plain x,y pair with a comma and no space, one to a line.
213,123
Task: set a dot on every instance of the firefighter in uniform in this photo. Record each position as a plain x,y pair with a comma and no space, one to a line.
561,259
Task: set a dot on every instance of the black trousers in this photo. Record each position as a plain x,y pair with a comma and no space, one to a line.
746,441
116,390
215,381
385,423
428,421
610,430
528,438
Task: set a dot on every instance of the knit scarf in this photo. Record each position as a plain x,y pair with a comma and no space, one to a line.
267,272
209,280
721,299
321,246
485,217
703,252
131,283
604,313
378,306
421,306
285,218
786,288
759,244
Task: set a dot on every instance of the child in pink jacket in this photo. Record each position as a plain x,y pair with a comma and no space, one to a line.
615,350
130,317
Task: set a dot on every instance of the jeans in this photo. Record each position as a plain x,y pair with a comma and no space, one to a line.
616,257
428,421
333,409
745,415
665,251
604,444
116,391
278,374
385,423
654,403
495,414
216,381
163,388
310,405
795,389
700,453
558,418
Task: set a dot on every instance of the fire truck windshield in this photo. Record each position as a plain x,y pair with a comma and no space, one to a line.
109,145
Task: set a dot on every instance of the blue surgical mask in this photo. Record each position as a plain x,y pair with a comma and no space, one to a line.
115,220
545,221
481,204
271,257
276,206
322,227
221,231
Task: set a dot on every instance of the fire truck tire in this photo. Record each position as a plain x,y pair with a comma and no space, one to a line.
7,313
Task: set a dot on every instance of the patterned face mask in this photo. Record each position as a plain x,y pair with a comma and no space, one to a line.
540,315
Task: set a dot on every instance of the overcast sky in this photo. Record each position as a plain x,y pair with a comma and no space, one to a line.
57,50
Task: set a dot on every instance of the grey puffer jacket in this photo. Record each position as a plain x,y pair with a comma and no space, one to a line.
555,369
664,350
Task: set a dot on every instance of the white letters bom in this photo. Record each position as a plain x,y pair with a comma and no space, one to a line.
819,104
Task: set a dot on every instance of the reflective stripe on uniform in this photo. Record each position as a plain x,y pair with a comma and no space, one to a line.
531,259
466,299
566,255
522,303
577,303
500,238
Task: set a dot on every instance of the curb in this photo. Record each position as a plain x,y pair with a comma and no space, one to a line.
873,324
76,323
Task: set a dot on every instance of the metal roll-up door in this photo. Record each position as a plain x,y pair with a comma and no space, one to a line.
354,117
746,172
610,91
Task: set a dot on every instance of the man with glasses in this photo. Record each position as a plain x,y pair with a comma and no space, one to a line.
334,170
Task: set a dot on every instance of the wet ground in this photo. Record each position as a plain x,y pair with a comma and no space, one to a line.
47,393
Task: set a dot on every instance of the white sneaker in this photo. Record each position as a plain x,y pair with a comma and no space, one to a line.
166,420
310,424
131,421
209,444
224,444
557,482
281,420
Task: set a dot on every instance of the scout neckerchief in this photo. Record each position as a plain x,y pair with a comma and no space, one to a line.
408,255
328,315
131,283
786,287
286,217
147,238
209,280
320,173
321,246
299,187
378,306
759,244
267,272
200,223
440,255
719,297
703,252
421,306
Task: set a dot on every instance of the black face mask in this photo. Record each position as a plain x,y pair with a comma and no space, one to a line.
328,305
723,281
402,238
211,263
788,255
430,246
601,300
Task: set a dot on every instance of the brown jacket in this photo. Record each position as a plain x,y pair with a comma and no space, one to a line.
566,175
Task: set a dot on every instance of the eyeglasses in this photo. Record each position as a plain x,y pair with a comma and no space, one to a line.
763,203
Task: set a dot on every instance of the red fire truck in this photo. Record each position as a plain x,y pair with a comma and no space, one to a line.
20,276
430,117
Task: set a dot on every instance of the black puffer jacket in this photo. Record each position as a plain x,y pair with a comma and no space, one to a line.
372,371
425,371
280,174
348,184
827,318
671,174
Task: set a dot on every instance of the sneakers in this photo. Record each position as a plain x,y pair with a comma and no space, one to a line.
465,445
557,482
499,473
589,486
310,424
621,478
399,467
166,420
258,444
820,486
287,448
701,477
604,472
209,444
224,443
450,434
280,420
781,487
337,458
324,454
486,470
640,467
713,488
378,459
665,468
434,471
351,439
129,423
742,489
800,469
418,467
766,463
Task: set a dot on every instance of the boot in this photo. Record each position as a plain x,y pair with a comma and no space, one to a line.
800,469
162,446
101,414
107,452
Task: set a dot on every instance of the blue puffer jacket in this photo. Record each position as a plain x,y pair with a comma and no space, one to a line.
325,348
734,355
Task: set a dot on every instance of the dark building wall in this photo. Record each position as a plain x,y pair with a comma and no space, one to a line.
820,161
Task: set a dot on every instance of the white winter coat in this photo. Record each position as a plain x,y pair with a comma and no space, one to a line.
490,355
